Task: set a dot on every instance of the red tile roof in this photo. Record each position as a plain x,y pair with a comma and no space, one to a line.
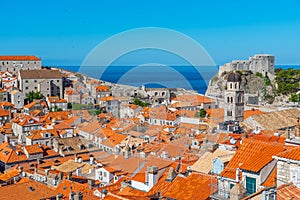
102,88
288,191
9,175
21,58
195,186
109,98
4,112
293,154
34,149
252,155
248,113
193,98
27,190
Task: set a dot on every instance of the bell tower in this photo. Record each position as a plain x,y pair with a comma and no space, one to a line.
234,99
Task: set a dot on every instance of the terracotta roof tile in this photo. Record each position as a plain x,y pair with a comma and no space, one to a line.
293,154
8,175
102,88
27,190
21,58
252,155
196,186
4,112
288,191
248,113
40,74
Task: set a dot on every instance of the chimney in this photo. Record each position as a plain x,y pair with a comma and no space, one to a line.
105,192
59,197
71,195
92,159
237,192
124,184
151,175
171,175
126,152
60,176
237,175
78,196
91,183
69,176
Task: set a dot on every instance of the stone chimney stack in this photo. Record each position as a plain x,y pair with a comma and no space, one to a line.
237,175
152,175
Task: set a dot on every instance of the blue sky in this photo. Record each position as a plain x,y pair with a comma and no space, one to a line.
63,32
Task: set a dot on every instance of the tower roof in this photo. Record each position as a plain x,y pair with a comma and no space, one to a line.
234,77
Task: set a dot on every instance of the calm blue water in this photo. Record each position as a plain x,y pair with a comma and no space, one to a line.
188,77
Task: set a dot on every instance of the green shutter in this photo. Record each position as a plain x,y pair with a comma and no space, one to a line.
250,185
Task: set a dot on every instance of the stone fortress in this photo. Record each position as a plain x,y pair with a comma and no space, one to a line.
262,63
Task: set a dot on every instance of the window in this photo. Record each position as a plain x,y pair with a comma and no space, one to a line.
250,185
58,81
231,99
26,81
294,174
104,174
26,88
229,113
35,81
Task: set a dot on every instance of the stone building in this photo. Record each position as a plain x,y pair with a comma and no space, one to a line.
288,169
17,98
233,99
158,96
262,63
3,95
48,82
15,63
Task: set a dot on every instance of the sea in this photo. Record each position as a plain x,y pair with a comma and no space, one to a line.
187,77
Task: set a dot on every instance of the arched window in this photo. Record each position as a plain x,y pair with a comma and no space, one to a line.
230,85
231,99
227,99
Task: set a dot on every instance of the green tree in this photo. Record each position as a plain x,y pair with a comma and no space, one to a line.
201,113
295,98
34,95
287,81
138,102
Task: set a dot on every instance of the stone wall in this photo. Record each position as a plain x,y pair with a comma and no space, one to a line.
262,63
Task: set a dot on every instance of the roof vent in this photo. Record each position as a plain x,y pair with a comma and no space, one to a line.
232,141
31,189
